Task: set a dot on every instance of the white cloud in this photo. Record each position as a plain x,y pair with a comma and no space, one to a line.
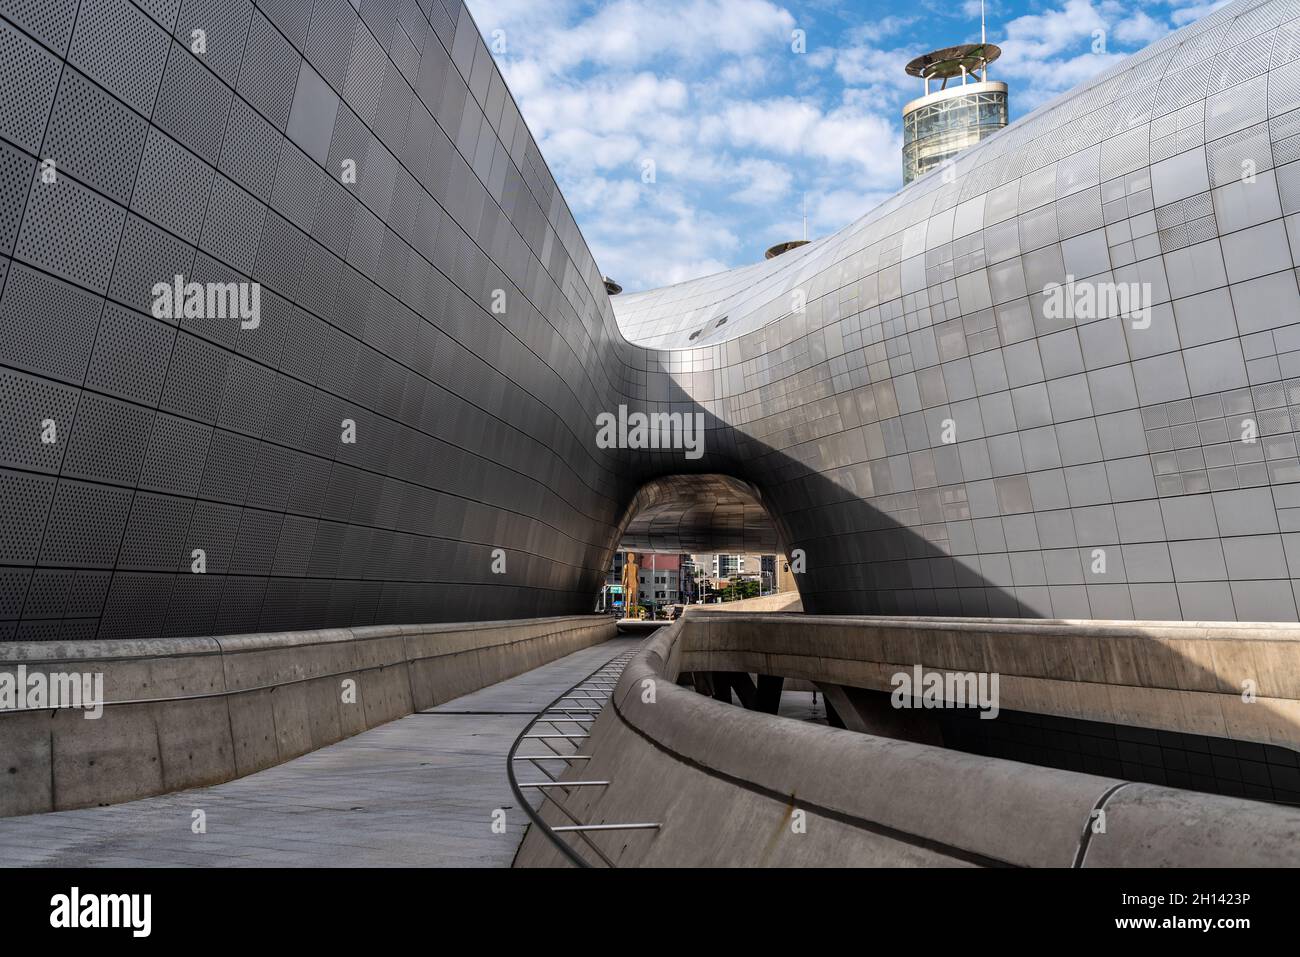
603,104
1059,48
631,33
971,8
604,194
1035,39
830,209
1186,11
742,72
767,182
727,158
739,126
780,125
849,135
872,67
667,241
1140,29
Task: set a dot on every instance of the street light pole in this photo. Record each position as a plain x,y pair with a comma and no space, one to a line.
654,609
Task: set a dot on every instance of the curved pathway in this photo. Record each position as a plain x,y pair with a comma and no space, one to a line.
419,791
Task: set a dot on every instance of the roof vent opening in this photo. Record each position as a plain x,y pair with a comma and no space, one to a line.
780,248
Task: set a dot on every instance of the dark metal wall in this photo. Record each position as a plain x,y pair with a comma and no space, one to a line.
376,296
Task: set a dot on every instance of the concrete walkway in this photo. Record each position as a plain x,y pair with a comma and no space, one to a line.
419,791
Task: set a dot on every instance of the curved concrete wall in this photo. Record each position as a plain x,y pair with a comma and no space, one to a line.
445,304
1187,677
725,783
189,712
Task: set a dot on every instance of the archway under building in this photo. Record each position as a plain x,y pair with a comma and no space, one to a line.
707,514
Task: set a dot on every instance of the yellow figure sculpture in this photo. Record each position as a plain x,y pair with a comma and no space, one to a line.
631,583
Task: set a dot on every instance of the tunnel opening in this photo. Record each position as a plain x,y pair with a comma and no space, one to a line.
689,515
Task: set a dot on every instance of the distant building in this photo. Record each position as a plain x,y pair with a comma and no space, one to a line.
615,574
784,575
718,569
660,578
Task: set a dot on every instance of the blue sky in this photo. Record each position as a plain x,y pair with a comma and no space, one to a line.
739,126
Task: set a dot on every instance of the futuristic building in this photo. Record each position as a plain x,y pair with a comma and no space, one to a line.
942,123
930,404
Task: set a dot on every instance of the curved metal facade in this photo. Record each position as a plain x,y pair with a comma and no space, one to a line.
699,513
471,427
446,306
1104,464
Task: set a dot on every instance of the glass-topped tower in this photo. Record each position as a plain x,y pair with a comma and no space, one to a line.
946,121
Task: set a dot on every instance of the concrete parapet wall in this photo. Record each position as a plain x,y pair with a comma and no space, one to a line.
1172,676
726,783
190,712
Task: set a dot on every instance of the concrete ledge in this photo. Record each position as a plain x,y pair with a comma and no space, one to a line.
726,783
190,712
1171,676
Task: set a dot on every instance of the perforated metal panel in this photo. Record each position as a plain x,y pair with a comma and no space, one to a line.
94,137
47,326
29,76
269,72
170,187
193,104
70,231
119,47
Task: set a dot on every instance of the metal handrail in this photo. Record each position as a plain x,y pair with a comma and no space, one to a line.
545,788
